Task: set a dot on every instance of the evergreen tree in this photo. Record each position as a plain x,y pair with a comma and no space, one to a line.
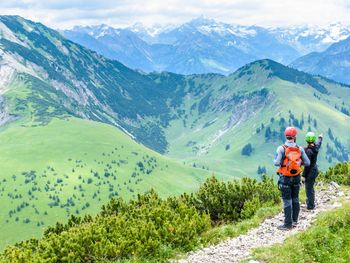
268,133
330,134
247,149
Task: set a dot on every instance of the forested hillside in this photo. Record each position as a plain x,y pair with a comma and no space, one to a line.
78,128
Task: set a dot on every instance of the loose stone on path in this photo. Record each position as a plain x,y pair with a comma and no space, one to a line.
239,248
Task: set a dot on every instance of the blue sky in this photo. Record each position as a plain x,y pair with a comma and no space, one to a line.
66,13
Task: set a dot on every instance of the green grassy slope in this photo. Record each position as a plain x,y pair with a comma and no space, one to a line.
202,121
261,93
74,79
72,166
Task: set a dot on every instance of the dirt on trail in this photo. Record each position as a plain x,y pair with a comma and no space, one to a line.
266,234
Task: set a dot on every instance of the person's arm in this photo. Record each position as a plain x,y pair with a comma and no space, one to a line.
319,142
278,157
306,160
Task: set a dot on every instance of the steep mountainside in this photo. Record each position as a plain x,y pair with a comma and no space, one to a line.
333,63
236,124
54,163
193,116
69,79
64,107
120,44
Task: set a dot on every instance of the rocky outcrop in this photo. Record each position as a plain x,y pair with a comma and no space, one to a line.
5,115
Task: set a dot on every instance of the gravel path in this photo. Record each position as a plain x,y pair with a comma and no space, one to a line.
239,248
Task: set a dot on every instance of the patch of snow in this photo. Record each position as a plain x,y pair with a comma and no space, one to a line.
154,31
327,40
101,34
223,29
305,33
242,31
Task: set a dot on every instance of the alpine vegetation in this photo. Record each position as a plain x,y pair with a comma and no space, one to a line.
148,227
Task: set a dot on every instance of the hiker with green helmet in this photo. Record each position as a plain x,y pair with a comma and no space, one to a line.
310,173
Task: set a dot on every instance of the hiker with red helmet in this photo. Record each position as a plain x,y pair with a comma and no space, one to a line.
289,158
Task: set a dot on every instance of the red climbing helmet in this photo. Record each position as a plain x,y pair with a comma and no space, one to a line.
290,132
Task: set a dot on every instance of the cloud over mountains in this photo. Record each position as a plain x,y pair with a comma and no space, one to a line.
66,13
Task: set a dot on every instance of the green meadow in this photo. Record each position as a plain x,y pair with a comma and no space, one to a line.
71,167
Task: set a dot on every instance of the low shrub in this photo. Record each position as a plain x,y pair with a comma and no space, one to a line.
142,227
148,226
234,200
340,174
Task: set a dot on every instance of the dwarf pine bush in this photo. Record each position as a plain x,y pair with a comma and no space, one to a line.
141,227
340,173
148,226
231,201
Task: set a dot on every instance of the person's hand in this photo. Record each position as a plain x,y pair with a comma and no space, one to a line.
320,136
303,179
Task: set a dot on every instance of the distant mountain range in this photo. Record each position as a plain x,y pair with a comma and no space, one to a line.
204,45
178,115
78,128
333,63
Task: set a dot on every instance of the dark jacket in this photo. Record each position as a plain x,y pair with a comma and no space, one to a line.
312,152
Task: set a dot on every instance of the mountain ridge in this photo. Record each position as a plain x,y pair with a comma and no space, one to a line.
152,93
332,63
65,106
223,47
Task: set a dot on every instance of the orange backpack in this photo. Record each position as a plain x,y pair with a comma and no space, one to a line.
291,164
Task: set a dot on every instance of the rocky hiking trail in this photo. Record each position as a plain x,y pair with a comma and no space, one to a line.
240,248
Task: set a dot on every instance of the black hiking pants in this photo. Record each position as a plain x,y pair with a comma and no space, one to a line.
310,179
289,187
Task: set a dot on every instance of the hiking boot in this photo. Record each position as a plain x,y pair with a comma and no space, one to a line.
294,224
284,227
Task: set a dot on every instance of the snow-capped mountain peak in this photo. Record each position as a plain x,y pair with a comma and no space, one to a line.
208,26
151,31
96,31
206,45
308,38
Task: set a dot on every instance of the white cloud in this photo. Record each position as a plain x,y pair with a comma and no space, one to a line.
66,13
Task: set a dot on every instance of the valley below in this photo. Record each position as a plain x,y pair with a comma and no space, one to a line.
78,129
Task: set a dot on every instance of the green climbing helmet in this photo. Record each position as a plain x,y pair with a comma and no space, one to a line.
310,137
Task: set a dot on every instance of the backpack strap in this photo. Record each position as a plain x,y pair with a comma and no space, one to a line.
283,154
